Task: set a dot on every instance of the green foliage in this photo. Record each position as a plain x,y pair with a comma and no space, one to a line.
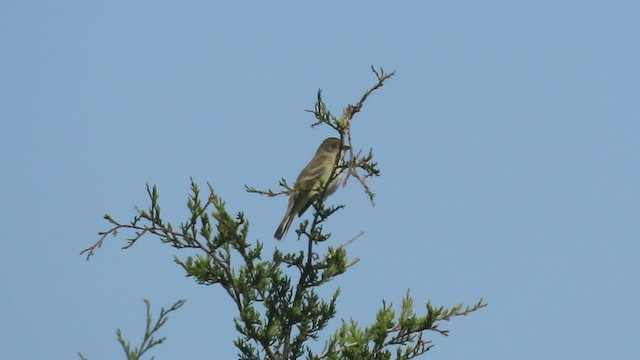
402,335
279,312
148,340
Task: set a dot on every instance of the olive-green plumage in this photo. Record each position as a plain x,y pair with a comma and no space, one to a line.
311,182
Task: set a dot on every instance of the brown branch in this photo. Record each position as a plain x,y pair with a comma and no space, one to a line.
351,240
351,110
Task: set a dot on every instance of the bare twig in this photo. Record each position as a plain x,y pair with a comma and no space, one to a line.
351,240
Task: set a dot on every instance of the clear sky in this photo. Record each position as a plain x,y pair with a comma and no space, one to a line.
508,144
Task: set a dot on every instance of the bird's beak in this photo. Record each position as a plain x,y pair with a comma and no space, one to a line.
346,147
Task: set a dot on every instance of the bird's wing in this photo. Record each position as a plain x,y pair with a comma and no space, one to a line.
312,173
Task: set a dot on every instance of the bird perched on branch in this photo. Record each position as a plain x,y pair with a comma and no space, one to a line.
312,181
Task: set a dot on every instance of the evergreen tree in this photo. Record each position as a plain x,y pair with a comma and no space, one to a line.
279,310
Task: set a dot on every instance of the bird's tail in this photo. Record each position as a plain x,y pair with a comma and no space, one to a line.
284,226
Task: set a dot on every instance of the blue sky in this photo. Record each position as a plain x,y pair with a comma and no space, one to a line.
508,144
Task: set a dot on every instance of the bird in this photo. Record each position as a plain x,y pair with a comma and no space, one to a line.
312,181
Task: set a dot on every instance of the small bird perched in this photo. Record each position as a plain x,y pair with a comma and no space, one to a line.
312,180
